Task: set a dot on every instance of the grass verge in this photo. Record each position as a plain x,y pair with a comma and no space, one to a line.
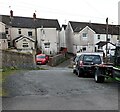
3,75
118,67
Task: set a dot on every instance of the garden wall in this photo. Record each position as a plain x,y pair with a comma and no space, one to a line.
10,59
57,59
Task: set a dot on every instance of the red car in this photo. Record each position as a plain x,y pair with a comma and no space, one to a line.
42,59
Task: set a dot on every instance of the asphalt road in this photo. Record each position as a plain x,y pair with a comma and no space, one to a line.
58,89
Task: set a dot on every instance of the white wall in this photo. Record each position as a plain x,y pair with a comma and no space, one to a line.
113,38
48,35
102,38
19,44
75,41
13,32
69,39
62,38
2,27
110,46
3,44
51,35
29,49
79,42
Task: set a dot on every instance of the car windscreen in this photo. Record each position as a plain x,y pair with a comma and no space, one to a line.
41,57
92,58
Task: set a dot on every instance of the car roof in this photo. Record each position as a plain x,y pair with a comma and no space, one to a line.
90,55
41,55
93,53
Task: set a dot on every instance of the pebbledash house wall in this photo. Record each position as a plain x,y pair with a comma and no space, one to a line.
17,60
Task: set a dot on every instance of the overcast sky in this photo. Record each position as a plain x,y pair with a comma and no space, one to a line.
95,11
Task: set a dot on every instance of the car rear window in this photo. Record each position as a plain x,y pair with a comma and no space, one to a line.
41,57
92,58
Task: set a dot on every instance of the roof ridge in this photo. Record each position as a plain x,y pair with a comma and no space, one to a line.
27,22
92,23
29,17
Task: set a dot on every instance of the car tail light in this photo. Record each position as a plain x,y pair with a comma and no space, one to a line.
81,63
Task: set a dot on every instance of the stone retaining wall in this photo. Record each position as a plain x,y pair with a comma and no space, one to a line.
57,59
10,59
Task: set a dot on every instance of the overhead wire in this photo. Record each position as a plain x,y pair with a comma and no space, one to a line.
22,7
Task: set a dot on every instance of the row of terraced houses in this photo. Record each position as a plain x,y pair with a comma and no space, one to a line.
25,34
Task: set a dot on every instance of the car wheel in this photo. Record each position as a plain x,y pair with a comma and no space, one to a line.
98,77
74,71
79,73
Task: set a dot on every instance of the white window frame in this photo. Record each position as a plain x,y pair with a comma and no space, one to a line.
30,33
84,36
25,45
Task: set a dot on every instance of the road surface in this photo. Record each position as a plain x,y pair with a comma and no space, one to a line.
58,89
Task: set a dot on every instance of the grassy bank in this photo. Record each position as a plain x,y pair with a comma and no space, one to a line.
11,71
3,75
118,67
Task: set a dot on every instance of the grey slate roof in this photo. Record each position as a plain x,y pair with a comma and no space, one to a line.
102,43
27,22
98,28
17,38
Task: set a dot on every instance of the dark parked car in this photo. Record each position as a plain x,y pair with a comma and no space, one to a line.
84,64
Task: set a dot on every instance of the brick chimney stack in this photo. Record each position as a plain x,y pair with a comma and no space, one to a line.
11,13
34,16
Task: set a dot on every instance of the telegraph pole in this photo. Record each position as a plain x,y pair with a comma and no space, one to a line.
11,17
36,42
106,40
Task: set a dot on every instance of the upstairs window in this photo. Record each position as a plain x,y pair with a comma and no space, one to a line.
47,45
84,34
19,31
30,33
118,38
98,37
6,31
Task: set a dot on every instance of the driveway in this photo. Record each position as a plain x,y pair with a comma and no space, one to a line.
58,89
